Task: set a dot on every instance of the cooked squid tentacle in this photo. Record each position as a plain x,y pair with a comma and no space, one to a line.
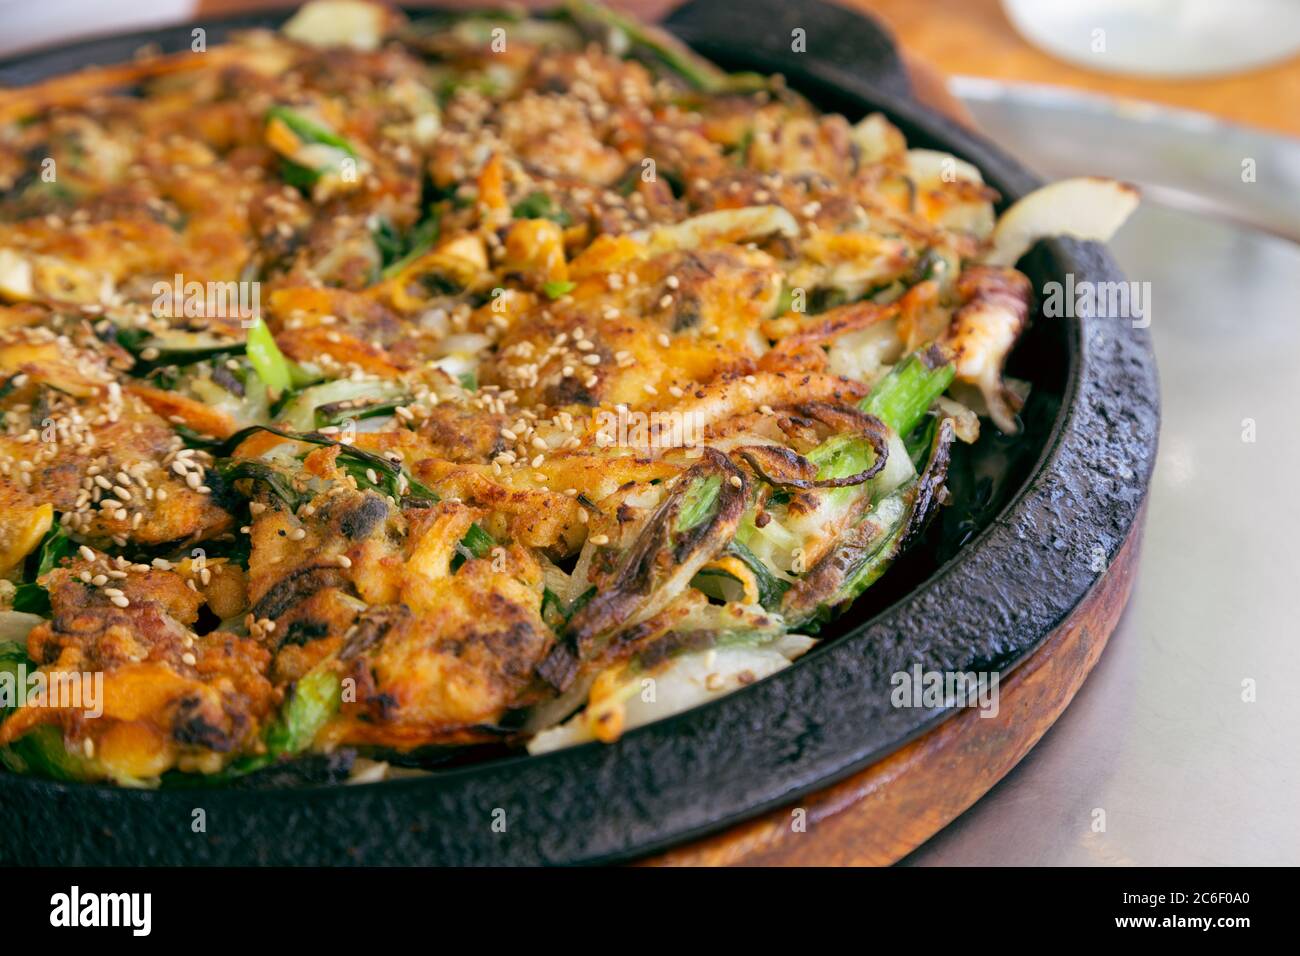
994,312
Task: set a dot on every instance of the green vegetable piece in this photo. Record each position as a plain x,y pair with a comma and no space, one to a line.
698,502
31,597
13,656
478,542
278,373
539,205
315,699
420,241
770,587
661,48
388,241
902,397
555,290
309,131
42,752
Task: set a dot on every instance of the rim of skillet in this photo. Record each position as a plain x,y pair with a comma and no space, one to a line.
812,723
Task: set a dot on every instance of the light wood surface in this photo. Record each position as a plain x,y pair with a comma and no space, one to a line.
974,37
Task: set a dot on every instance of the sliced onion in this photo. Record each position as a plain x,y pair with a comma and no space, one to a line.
877,139
327,23
730,225
16,625
928,166
688,681
1085,208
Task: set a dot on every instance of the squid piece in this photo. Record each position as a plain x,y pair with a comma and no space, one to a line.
982,333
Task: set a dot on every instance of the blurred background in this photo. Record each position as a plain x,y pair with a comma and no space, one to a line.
1198,102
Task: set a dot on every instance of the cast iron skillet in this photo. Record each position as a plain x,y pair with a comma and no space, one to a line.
1028,517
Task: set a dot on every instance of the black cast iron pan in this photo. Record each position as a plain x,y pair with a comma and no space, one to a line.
1007,563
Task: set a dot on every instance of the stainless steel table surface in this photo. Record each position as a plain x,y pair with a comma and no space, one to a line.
1160,737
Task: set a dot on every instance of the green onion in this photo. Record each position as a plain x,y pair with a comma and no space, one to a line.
555,290
309,131
661,48
477,543
280,482
902,397
770,587
539,205
277,373
315,699
698,502
42,752
398,253
388,241
31,597
13,657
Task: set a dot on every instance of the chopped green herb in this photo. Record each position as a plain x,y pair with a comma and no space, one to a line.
539,205
559,289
